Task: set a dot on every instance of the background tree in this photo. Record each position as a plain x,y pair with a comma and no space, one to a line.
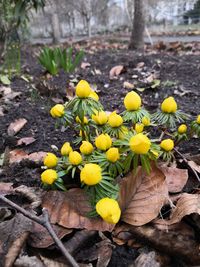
137,34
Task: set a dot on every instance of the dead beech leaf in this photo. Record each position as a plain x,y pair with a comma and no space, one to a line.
16,126
26,261
146,259
187,204
17,155
85,65
51,262
6,188
26,141
194,166
128,85
37,156
142,196
69,209
116,71
70,91
175,178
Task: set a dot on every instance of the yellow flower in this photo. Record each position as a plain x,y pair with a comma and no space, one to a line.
182,129
103,142
49,176
66,149
123,132
91,174
57,111
139,127
85,120
100,117
132,101
112,154
167,144
50,160
115,120
83,89
198,119
146,121
86,148
169,105
75,158
140,144
94,95
109,210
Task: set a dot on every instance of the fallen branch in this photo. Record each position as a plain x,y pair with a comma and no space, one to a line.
44,221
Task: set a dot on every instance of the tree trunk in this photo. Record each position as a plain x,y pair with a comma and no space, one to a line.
137,35
56,28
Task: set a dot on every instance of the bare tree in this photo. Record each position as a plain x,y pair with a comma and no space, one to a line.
137,35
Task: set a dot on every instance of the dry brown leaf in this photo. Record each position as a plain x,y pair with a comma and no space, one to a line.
142,196
26,141
187,204
140,65
6,188
85,65
116,71
16,126
70,91
128,85
175,178
5,90
194,166
69,210
37,156
146,260
26,261
17,155
52,263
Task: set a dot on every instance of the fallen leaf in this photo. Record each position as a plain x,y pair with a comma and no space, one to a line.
4,79
37,156
155,83
140,65
142,196
16,126
6,188
175,178
17,155
26,261
1,112
26,141
193,165
69,209
128,85
70,91
116,71
51,262
146,259
5,90
85,65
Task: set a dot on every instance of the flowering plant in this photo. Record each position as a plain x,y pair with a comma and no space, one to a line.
107,147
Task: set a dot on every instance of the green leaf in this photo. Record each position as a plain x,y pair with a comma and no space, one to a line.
5,80
155,84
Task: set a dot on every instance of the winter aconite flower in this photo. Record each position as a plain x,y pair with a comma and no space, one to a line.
132,101
182,129
66,149
115,120
75,158
139,127
103,142
167,144
146,121
86,148
94,95
140,144
109,210
50,160
112,154
100,117
91,174
49,176
83,89
85,120
198,119
169,105
57,111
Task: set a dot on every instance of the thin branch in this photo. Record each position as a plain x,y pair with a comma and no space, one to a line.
44,221
186,161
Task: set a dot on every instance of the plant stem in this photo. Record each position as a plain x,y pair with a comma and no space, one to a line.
44,221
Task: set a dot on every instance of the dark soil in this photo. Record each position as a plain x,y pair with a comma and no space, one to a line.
179,75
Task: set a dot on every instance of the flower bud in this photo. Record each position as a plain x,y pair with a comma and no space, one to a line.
139,127
167,144
112,154
66,149
86,148
57,111
182,129
109,210
146,121
94,95
140,144
169,105
85,120
50,160
132,101
198,119
49,176
100,117
123,132
91,174
103,142
75,158
115,120
83,89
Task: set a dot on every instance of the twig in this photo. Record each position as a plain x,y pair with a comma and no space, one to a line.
186,161
44,221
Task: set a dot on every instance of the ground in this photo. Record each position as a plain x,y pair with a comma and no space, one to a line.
177,71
